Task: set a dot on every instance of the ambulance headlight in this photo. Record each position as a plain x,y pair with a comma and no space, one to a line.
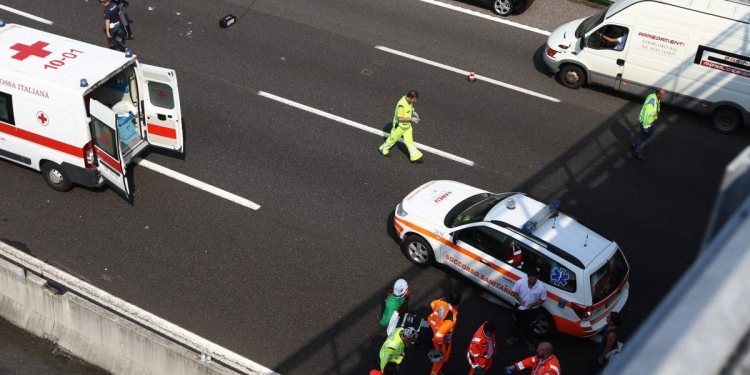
400,210
128,52
84,82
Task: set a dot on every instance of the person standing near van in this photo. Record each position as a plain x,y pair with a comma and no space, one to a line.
608,343
530,294
649,114
111,22
403,118
124,19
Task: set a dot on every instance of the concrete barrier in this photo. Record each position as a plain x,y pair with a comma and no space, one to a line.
113,338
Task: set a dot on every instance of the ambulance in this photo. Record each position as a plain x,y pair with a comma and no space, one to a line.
80,113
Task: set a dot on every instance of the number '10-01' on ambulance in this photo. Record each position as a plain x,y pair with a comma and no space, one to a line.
80,113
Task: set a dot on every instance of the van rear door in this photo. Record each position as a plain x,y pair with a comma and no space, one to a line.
107,150
160,106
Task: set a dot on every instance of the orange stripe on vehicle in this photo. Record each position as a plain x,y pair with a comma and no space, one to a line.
162,131
471,255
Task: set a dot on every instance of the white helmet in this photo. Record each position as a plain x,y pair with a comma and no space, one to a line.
435,356
400,288
410,333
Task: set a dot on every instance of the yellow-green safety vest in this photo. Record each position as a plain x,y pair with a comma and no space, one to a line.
650,111
408,110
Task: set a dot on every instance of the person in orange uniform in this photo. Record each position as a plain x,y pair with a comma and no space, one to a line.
482,349
543,363
443,321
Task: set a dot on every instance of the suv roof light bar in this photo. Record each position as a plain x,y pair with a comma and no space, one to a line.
545,213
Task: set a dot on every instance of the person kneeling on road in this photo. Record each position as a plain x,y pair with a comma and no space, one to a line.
394,346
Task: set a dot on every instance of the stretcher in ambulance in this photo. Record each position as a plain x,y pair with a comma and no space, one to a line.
80,113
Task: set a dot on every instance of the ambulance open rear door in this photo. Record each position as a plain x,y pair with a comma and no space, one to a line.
110,162
160,105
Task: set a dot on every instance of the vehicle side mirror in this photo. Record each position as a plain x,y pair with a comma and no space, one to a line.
583,42
454,236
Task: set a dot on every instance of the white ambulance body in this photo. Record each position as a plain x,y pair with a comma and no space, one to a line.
697,50
58,104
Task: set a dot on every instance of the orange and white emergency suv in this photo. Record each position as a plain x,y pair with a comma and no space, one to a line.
494,239
80,113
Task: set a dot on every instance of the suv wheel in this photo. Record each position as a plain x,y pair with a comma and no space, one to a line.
544,325
502,7
418,251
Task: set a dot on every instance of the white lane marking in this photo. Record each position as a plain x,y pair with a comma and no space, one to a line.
488,17
199,184
466,73
362,127
27,15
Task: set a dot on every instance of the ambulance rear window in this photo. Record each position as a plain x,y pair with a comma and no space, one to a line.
6,108
161,95
609,277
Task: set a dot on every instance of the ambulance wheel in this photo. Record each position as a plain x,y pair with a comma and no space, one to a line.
544,325
56,177
726,120
418,251
572,76
502,7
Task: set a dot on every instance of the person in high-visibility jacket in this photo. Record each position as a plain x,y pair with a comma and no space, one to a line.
483,348
443,321
649,114
543,363
393,349
403,118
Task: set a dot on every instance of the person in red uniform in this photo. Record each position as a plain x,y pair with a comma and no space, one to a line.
442,322
543,363
482,349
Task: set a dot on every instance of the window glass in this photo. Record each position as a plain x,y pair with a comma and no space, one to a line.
610,37
484,239
104,138
523,257
6,108
160,95
591,23
605,280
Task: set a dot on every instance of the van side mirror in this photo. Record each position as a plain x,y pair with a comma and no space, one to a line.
583,42
454,236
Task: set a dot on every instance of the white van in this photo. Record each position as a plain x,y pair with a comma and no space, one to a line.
697,50
81,113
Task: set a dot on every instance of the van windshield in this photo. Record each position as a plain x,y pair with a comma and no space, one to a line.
591,23
606,280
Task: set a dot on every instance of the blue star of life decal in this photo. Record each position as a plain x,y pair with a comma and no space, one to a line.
560,277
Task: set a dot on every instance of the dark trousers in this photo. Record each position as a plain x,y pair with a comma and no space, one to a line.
114,33
643,136
524,319
594,366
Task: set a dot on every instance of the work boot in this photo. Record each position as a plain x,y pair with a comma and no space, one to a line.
386,153
418,161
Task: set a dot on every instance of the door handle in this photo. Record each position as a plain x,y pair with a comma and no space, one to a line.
620,62
484,261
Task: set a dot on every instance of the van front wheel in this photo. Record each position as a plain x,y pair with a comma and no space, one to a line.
726,120
56,177
572,76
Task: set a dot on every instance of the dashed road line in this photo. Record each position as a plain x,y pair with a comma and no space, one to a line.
198,184
466,73
488,17
24,14
362,127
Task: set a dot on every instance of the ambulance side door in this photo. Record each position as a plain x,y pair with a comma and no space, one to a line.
107,147
160,107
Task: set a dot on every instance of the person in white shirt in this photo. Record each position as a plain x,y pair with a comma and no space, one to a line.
529,294
621,35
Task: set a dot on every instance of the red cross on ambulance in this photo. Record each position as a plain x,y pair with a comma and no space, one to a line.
42,118
24,51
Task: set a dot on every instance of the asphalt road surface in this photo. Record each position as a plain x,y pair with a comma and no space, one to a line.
297,284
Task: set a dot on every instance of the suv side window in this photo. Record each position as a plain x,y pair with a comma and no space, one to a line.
523,257
484,239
